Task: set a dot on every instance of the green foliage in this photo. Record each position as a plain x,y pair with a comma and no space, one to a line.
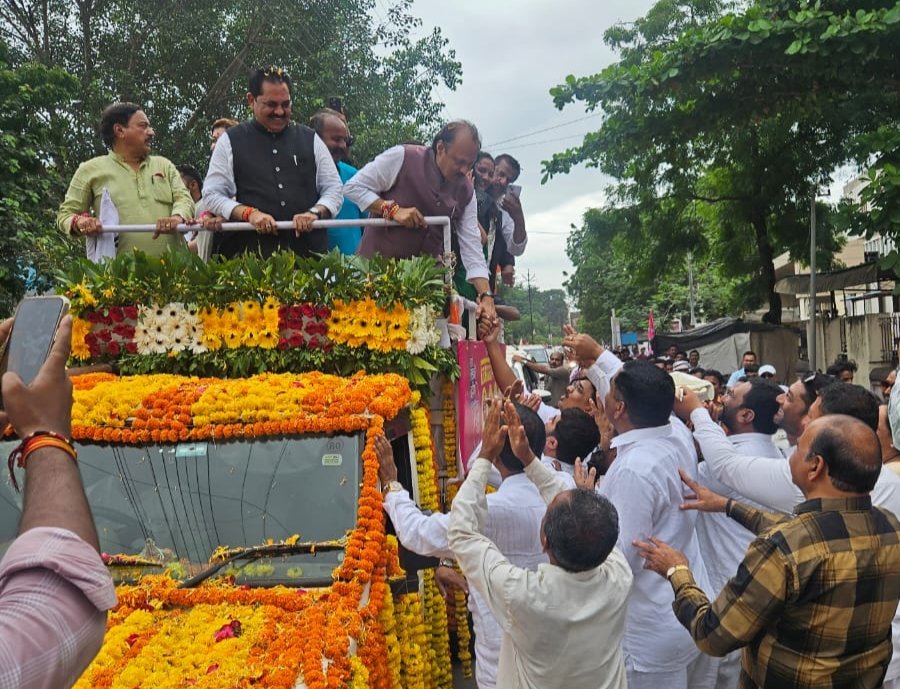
28,184
617,269
724,125
187,63
548,308
180,276
136,279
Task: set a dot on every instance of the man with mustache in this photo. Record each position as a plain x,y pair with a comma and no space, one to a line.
270,169
144,189
409,183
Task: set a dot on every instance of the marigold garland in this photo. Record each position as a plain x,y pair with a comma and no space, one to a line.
163,408
164,636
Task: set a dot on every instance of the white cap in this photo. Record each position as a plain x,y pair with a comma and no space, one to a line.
682,365
767,368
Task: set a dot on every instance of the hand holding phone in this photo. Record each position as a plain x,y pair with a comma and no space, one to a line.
45,404
514,190
33,332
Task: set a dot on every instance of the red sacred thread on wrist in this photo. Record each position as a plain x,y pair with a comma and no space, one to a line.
73,226
247,212
389,209
33,442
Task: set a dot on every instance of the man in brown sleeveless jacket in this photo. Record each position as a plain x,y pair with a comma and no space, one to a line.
407,183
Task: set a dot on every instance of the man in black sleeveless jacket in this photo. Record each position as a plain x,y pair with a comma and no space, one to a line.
270,169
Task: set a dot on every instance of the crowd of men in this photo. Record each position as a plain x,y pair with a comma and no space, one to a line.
646,531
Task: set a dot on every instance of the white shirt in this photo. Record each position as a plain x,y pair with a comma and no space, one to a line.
724,541
380,174
768,481
513,522
219,188
508,227
644,485
561,630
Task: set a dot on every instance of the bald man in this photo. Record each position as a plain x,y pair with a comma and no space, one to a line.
812,602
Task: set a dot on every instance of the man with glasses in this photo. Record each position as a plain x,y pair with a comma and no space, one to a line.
270,169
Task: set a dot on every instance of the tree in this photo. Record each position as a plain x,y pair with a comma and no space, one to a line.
548,308
32,246
725,126
187,63
614,270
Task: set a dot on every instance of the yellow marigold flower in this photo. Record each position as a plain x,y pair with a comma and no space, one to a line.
80,329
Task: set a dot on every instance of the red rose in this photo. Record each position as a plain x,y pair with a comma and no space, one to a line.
93,316
283,344
114,348
105,335
116,314
131,312
323,312
296,340
308,310
131,347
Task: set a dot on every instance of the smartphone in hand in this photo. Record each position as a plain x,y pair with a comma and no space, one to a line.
32,336
514,190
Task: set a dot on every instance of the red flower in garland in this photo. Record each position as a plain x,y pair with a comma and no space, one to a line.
116,314
229,631
131,312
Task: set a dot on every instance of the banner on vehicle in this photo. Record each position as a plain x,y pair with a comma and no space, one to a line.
476,385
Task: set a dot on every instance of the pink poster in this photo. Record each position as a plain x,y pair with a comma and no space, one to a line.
476,384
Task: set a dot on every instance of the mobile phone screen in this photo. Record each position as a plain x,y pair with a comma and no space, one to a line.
514,190
32,336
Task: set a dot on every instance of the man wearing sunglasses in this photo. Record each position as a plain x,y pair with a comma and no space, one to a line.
270,169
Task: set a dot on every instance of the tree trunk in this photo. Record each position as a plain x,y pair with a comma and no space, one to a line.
763,245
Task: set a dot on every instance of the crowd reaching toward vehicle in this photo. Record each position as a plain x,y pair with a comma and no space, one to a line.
657,523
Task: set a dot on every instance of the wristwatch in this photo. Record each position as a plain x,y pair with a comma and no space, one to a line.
445,562
393,487
485,294
673,569
316,212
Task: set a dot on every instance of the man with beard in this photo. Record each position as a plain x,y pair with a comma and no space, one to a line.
747,414
331,126
270,169
512,237
144,189
409,183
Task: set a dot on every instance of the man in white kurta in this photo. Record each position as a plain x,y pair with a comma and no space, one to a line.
514,518
561,629
644,485
748,414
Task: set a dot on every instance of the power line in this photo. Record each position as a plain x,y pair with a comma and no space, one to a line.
540,143
546,129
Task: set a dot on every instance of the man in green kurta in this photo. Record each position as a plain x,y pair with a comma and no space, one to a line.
144,189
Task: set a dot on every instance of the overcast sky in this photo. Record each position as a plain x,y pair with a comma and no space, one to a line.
512,54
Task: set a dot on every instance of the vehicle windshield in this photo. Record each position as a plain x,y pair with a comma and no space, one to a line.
186,500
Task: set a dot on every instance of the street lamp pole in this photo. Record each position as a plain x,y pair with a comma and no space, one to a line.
811,335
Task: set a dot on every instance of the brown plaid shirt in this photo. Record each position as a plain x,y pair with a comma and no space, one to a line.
812,601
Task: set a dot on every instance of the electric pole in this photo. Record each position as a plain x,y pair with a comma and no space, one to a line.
528,277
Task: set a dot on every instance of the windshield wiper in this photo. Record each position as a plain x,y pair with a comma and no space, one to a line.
259,551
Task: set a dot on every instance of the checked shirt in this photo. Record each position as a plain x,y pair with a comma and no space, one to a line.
812,602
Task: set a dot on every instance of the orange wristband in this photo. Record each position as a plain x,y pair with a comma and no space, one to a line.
37,441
